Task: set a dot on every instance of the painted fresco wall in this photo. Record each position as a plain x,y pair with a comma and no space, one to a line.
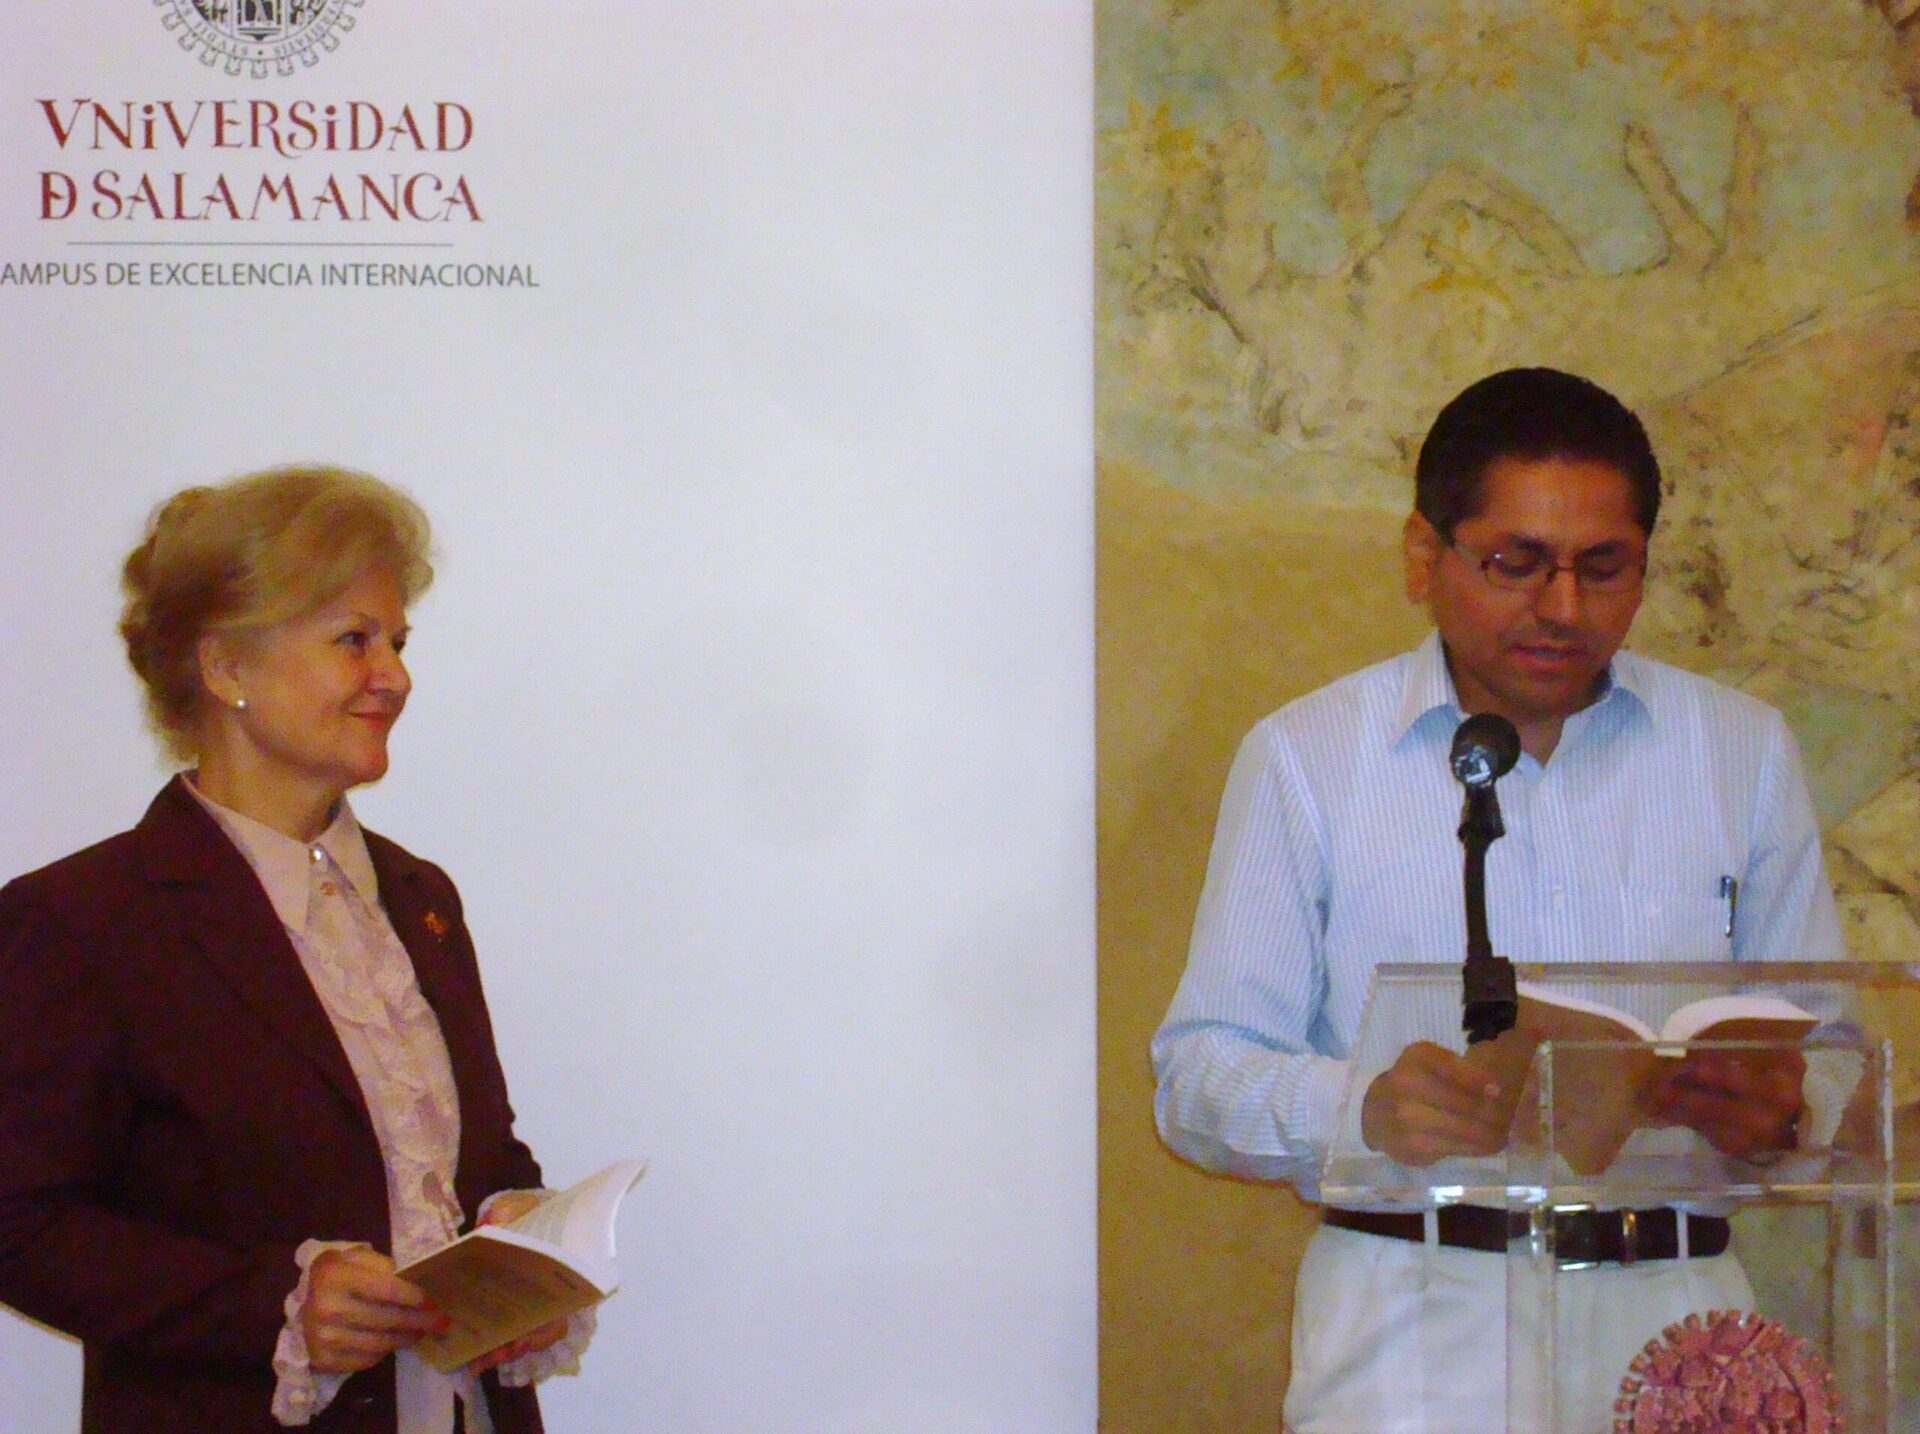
1318,220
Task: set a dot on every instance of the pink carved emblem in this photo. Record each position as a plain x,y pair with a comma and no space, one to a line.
1729,1373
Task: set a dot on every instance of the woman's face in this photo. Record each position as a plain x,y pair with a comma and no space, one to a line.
322,691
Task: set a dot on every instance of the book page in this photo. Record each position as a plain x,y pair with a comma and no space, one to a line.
1557,1016
1545,1016
580,1219
1738,1018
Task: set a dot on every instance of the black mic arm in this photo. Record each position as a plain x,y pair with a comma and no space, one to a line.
1491,1002
1485,749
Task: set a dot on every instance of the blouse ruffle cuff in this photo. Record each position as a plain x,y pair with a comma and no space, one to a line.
298,1393
560,1357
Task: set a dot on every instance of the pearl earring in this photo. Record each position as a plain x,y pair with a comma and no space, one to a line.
240,704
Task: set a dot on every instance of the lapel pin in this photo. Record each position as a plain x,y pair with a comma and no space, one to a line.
437,924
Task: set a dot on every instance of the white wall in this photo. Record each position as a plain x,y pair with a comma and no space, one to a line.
753,706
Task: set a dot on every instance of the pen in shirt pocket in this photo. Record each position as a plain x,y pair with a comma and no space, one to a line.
1730,893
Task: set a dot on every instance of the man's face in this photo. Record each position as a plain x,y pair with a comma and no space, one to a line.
1532,655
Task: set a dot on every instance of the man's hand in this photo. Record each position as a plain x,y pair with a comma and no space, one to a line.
1430,1104
358,1311
1746,1103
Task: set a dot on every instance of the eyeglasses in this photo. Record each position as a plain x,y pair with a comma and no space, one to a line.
1530,568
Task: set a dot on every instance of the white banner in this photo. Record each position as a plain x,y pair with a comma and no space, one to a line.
739,350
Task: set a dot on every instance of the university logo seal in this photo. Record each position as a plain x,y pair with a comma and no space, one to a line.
1729,1373
258,37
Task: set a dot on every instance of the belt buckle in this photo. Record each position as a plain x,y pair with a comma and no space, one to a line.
1563,1240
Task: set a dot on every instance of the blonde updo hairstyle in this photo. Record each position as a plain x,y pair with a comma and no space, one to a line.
246,555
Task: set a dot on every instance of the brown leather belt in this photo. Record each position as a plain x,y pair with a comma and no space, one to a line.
1579,1236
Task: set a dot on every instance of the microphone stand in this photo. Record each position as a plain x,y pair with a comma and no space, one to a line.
1491,1002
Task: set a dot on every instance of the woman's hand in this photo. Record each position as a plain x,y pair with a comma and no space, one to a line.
358,1311
541,1338
510,1205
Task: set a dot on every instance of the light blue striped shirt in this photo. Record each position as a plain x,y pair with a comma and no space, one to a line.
1336,851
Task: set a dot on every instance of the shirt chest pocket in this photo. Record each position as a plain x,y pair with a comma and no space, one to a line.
1684,920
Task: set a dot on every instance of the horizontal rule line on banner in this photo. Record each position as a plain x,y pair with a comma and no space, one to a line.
248,244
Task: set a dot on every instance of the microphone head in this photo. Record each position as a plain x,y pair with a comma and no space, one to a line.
1485,747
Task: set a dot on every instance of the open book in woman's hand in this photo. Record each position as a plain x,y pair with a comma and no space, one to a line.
499,1282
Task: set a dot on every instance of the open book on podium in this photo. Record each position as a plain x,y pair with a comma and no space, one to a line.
1828,1339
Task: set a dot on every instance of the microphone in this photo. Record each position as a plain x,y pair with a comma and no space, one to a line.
1485,747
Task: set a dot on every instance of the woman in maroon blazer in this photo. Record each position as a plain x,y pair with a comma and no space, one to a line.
244,1050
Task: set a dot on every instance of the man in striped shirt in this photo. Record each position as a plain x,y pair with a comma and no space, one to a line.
1642,797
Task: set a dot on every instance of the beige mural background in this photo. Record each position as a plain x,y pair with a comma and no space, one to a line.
1316,221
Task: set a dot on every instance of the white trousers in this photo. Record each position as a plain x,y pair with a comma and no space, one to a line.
1393,1337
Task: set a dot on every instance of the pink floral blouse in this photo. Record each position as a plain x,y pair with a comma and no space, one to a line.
326,896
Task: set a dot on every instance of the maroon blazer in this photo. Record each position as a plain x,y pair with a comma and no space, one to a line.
177,1115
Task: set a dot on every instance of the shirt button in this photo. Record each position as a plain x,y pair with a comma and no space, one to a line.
318,853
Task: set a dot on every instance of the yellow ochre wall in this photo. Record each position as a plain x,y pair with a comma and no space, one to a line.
1316,221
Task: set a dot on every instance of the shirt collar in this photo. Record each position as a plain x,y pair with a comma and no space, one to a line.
1429,689
1627,676
284,863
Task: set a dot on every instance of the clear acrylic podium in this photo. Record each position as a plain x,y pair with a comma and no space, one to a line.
1822,1328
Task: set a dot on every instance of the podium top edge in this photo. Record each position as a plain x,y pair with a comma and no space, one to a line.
1847,973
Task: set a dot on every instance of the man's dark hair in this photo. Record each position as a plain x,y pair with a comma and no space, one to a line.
1529,414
